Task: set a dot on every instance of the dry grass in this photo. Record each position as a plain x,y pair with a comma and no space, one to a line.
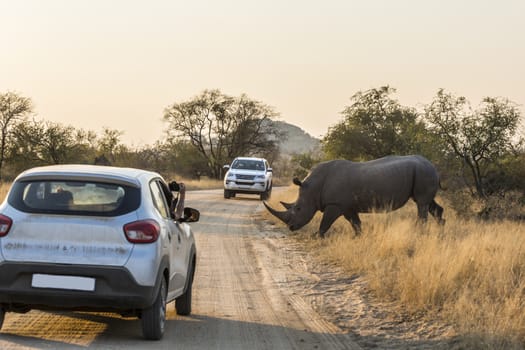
203,184
470,273
4,187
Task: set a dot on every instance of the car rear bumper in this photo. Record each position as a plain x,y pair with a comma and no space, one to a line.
115,289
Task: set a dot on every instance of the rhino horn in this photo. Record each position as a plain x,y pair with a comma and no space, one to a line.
286,205
284,216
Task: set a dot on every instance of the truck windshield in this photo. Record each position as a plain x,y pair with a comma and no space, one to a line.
248,164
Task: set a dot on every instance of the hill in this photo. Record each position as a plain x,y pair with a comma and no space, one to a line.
297,141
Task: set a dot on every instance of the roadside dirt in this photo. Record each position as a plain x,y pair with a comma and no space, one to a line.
255,288
348,304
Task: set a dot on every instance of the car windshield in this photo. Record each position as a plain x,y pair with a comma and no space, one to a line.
74,197
248,164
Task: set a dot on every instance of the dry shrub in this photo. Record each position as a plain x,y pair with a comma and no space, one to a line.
469,272
504,205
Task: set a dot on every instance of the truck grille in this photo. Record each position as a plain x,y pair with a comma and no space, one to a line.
245,177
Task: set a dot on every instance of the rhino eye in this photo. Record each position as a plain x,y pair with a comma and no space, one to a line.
298,209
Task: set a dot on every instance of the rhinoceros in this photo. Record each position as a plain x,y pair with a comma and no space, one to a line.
343,187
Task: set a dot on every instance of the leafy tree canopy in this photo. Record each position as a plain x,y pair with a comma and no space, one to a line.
221,127
480,139
375,125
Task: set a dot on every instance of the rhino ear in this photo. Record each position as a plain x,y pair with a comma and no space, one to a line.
297,181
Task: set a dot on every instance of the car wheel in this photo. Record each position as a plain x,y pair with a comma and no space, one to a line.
153,319
2,314
227,194
266,194
183,303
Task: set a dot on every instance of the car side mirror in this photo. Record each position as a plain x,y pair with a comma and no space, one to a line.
190,215
270,170
226,166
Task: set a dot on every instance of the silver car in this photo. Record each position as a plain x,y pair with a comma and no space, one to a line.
95,238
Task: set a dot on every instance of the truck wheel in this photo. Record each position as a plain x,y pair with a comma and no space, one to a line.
2,315
153,319
227,194
265,195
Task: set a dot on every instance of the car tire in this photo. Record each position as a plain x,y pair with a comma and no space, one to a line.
227,194
183,303
153,319
266,194
2,315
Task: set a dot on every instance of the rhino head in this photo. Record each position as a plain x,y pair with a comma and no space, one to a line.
299,213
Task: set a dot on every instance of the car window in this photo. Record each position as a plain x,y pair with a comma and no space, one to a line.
248,164
74,197
159,199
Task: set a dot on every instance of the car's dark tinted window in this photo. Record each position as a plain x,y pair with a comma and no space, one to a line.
74,197
248,164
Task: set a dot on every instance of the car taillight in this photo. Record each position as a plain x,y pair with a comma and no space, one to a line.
5,225
144,231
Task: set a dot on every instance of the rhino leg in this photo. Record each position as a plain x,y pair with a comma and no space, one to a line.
422,212
331,213
353,218
437,212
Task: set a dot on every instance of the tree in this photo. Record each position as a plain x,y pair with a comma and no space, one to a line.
13,108
44,142
109,145
221,127
184,159
479,138
375,125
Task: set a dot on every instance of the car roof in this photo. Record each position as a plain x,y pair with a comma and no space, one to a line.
127,176
250,158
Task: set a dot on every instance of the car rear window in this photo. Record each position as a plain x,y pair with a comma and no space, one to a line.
74,197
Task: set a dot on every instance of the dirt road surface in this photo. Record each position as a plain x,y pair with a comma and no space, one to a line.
246,296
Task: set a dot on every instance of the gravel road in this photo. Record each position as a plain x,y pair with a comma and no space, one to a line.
242,297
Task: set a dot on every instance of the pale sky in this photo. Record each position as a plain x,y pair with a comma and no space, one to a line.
119,63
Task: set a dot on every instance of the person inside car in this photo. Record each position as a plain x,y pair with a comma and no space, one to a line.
177,202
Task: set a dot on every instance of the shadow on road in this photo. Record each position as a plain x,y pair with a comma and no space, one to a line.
193,332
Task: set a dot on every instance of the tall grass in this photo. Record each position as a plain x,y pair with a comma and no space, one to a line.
470,273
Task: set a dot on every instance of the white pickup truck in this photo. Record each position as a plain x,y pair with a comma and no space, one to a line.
248,175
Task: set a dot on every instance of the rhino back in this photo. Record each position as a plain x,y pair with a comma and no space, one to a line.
381,184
